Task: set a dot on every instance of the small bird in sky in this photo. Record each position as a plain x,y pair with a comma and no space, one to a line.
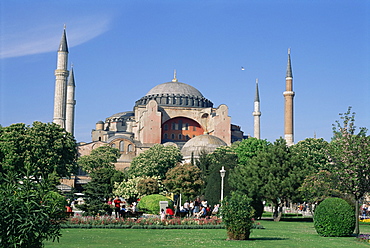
243,68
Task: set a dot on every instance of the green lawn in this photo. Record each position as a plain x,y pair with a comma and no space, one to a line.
276,234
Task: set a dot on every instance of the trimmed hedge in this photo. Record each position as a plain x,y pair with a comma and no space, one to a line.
334,217
150,203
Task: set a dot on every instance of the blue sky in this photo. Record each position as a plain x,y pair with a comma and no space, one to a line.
122,49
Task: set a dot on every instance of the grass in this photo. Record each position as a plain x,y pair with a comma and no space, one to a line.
276,234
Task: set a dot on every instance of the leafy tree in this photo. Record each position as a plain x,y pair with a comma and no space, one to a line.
350,154
40,150
314,155
222,156
98,191
274,174
320,185
313,152
248,148
184,179
31,160
101,157
148,186
237,214
155,162
128,188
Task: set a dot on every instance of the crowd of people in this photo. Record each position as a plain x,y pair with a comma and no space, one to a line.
120,208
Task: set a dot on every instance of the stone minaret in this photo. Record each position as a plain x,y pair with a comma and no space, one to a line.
257,113
61,75
289,95
70,103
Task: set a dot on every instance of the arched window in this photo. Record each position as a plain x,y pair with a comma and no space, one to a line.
180,136
129,148
121,146
113,145
165,127
173,136
165,136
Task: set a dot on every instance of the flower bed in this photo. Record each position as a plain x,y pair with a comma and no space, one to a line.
152,222
364,238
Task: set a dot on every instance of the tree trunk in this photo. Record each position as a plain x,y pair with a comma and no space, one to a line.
357,227
277,212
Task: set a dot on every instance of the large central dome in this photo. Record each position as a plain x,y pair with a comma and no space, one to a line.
175,94
175,88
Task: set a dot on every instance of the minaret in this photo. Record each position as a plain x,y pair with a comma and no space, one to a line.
70,103
61,74
289,95
257,113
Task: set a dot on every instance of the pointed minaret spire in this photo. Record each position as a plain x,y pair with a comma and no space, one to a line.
257,113
70,103
63,47
174,76
288,112
61,75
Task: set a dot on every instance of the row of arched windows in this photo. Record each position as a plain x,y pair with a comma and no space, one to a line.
121,146
179,136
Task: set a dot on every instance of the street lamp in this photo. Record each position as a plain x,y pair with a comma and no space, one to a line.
222,172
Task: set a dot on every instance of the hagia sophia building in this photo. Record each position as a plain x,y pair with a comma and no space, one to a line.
171,113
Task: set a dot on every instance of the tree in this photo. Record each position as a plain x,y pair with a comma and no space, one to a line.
184,179
98,191
40,150
320,185
350,154
248,148
101,157
155,162
222,156
28,156
313,152
148,186
274,174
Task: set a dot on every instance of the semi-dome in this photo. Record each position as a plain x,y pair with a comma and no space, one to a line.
202,143
175,94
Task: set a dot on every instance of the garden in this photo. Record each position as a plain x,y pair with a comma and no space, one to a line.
276,234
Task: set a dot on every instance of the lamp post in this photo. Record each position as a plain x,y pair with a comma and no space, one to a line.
222,172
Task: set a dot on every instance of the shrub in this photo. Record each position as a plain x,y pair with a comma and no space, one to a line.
237,216
334,217
150,203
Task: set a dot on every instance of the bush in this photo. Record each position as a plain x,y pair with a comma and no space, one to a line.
334,217
237,214
150,203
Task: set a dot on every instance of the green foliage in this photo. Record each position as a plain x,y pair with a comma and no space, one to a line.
32,159
334,217
222,156
39,150
155,162
98,191
237,216
184,179
320,185
101,157
313,152
273,174
148,186
30,213
248,148
128,188
150,203
350,154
